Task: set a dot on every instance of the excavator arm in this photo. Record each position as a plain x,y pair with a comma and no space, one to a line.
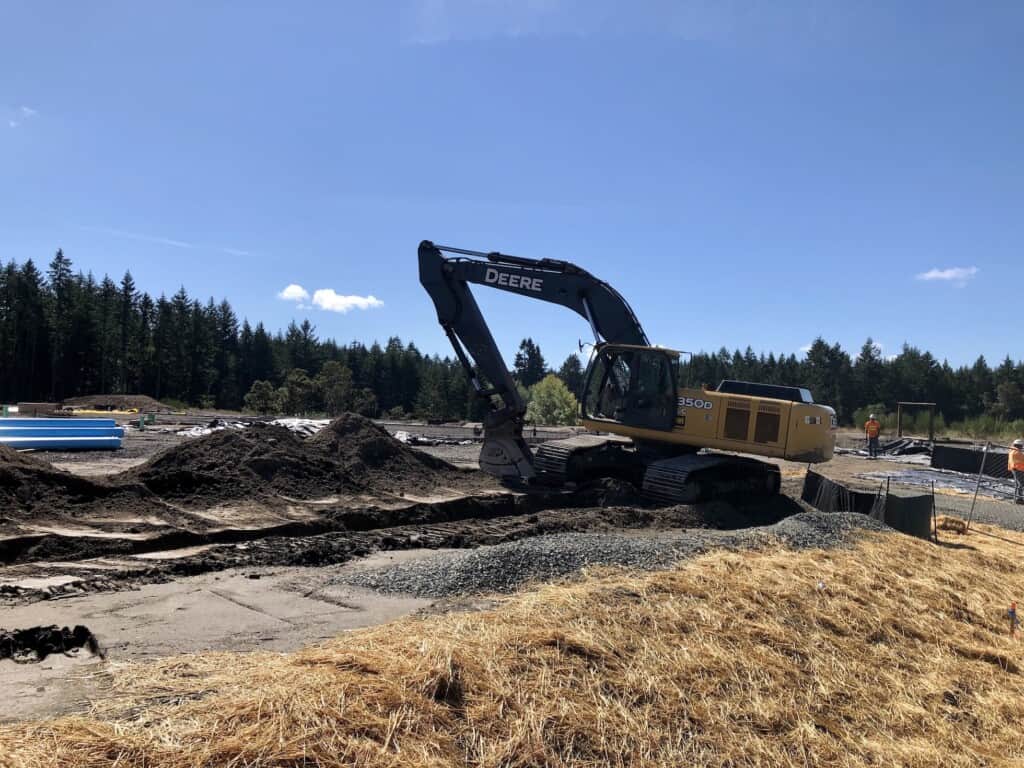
447,279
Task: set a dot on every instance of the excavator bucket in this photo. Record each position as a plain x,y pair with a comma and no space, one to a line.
505,453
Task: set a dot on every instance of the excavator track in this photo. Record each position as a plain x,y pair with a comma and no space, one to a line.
684,479
581,458
701,476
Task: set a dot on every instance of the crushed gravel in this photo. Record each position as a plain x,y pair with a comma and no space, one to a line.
506,567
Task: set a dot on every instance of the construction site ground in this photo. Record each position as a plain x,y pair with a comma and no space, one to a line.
186,567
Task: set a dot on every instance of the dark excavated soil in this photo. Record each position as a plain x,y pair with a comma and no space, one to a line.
30,487
351,456
165,501
36,643
462,523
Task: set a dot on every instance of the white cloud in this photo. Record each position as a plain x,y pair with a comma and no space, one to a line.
956,275
166,241
16,117
805,348
294,292
141,237
327,298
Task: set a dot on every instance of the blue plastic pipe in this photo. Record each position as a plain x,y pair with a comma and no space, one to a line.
6,432
70,422
62,443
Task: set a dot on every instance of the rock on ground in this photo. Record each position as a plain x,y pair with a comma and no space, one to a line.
506,567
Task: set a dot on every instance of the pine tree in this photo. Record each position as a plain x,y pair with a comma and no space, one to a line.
261,363
60,278
227,387
30,371
571,373
127,317
529,366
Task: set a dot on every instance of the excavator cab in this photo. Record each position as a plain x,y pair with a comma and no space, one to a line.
635,386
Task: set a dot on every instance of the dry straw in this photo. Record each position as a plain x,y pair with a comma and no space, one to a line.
892,652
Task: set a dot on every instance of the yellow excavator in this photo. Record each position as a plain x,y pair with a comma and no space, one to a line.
647,425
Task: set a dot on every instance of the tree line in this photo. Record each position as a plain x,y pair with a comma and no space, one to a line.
65,333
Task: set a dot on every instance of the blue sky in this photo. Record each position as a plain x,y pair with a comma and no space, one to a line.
745,173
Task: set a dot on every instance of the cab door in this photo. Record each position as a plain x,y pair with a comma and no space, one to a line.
633,386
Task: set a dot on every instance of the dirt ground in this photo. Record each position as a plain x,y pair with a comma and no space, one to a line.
242,548
243,609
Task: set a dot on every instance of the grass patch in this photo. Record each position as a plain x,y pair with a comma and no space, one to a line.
892,652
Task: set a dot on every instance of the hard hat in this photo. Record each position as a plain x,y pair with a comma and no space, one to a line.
1018,443
872,416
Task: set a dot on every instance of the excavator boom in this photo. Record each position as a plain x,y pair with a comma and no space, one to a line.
447,279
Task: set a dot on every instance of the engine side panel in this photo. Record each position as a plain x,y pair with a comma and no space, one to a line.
762,426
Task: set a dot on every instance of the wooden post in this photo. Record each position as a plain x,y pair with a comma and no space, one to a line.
977,485
935,520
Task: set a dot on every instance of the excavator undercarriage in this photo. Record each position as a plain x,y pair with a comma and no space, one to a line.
684,478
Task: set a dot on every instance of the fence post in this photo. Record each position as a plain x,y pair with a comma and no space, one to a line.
935,521
977,485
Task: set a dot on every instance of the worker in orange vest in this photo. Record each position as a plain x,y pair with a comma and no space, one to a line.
872,429
1015,463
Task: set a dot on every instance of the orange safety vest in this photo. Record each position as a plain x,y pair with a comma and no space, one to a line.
872,428
1015,461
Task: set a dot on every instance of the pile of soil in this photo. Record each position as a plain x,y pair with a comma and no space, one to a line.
263,460
30,486
118,402
350,456
36,643
367,450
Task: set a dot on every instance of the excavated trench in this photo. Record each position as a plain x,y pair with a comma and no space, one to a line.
346,492
456,524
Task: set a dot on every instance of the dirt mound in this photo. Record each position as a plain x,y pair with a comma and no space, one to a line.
366,449
263,460
350,456
36,643
29,485
117,402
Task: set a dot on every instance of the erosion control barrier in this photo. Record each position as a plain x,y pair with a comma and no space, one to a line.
830,496
908,514
968,459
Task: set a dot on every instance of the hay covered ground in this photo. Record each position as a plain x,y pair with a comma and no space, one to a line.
892,651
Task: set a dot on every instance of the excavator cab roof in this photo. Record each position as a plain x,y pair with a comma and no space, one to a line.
773,391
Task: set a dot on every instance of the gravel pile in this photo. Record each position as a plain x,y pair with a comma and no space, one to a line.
506,567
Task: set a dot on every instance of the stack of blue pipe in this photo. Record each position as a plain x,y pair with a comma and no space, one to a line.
61,434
